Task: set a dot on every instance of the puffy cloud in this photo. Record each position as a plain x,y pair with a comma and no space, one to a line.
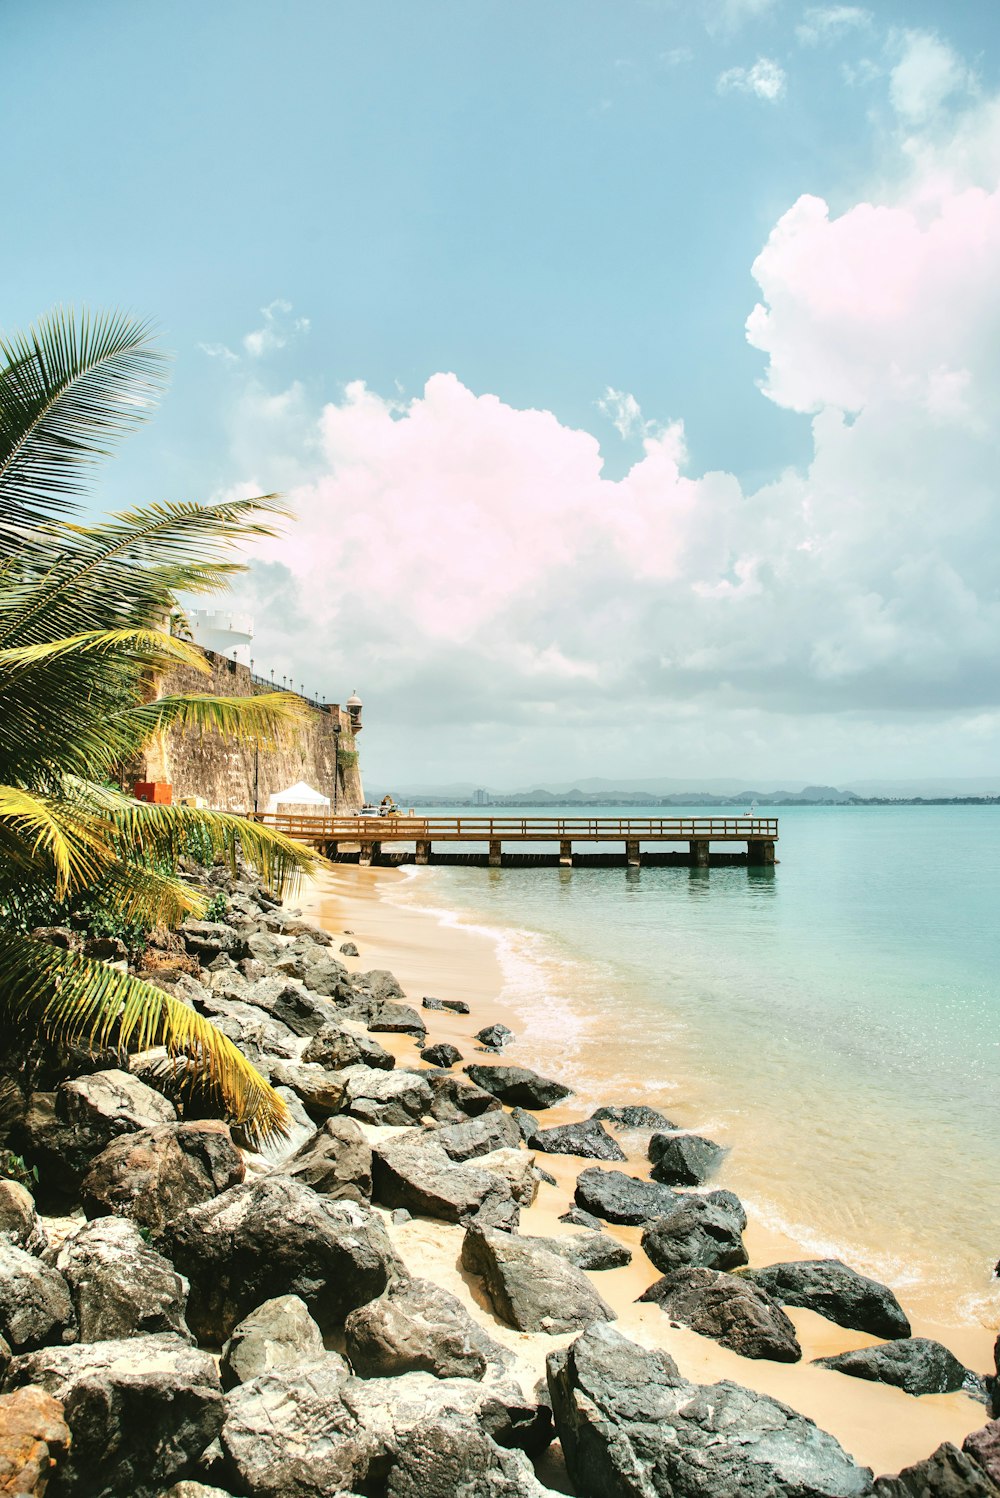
926,75
624,413
764,80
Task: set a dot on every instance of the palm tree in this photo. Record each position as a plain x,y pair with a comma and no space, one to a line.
85,626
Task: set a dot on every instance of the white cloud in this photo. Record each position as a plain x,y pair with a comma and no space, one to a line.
219,351
824,24
624,413
276,331
927,74
765,80
725,17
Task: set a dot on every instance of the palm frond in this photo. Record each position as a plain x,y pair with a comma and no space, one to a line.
149,647
269,717
74,844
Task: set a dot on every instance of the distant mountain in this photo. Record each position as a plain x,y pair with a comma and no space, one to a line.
597,790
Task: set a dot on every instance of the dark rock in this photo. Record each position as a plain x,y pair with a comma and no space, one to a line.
633,1116
983,1445
397,1019
914,1364
277,1237
621,1198
441,1054
526,1122
58,936
457,1006
948,1473
378,984
529,1287
386,1097
837,1292
543,1175
35,1304
278,1334
106,949
349,949
336,1162
590,1251
632,1427
140,1411
34,1439
450,1457
321,1092
684,1159
456,1099
414,1171
478,1136
581,1219
494,1037
154,1174
730,1309
64,1131
696,1233
335,1047
731,1203
416,1327
330,980
119,1285
19,1221
210,939
288,1002
518,1086
588,1139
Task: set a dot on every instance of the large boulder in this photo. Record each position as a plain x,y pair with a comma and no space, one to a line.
207,940
947,1473
518,1086
451,1457
517,1168
35,1303
621,1198
589,1251
120,1286
291,1004
730,1309
153,1174
336,1047
398,1019
478,1136
698,1232
19,1221
529,1287
917,1365
589,1139
63,1131
837,1292
387,1098
441,1054
336,1162
140,1411
414,1171
983,1445
321,1092
632,1427
278,1334
416,1327
277,1237
456,1098
633,1116
684,1159
34,1438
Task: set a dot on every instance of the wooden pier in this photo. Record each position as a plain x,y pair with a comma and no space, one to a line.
373,836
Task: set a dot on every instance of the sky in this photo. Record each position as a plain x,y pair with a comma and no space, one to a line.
631,367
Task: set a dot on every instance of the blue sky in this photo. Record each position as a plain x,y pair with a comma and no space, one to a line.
550,202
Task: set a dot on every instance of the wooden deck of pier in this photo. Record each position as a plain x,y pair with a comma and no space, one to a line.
371,834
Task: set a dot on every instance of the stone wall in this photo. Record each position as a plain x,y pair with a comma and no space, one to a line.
221,771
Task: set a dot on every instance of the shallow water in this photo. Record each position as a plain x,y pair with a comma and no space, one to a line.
835,1020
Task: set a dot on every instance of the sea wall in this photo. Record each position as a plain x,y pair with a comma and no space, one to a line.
224,772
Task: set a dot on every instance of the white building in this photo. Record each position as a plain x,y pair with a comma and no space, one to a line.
220,630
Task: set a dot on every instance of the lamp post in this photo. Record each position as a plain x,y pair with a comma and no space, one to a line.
337,730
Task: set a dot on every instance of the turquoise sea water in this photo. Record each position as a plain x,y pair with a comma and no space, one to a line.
836,1021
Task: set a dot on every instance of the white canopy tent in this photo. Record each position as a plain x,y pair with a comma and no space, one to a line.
298,798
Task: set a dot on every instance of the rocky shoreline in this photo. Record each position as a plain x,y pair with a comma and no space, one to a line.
182,1315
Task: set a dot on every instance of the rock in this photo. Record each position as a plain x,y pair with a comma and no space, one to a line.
529,1287
591,1251
336,1047
729,1309
588,1139
321,1092
196,1490
349,949
140,1411
65,1130
441,1054
210,939
457,1006
277,1237
278,1334
58,936
19,1222
330,980
632,1427
620,1198
983,1445
456,1099
731,1203
378,984
398,1019
948,1473
517,1169
336,1162
282,1147
494,1037
995,1402
415,1172
543,1176
416,1327
399,1215
120,1286
34,1438
837,1292
35,1304
386,1097
288,1002
452,1458
633,1116
697,1233
914,1364
478,1136
526,1122
684,1159
581,1219
154,1174
518,1085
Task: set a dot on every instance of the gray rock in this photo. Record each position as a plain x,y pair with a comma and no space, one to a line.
399,1215
336,1162
65,1131
696,1233
277,1237
140,1411
591,1251
195,1490
441,1054
729,1309
207,940
914,1364
119,1285
278,1334
397,1019
478,1136
378,984
517,1168
452,1458
416,1327
330,980
684,1159
494,1037
526,1122
153,1174
837,1292
386,1097
589,1139
335,1047
19,1221
288,1002
321,1092
621,1198
35,1303
529,1287
456,1099
414,1171
633,1116
948,1473
581,1219
983,1445
518,1086
457,1006
632,1427
349,949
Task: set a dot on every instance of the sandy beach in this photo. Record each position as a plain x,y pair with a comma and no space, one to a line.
880,1426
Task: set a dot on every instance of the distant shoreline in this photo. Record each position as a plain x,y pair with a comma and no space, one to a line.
507,803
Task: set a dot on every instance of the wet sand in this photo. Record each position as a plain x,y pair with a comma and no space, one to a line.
880,1426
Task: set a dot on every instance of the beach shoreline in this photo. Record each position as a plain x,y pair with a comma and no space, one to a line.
436,953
